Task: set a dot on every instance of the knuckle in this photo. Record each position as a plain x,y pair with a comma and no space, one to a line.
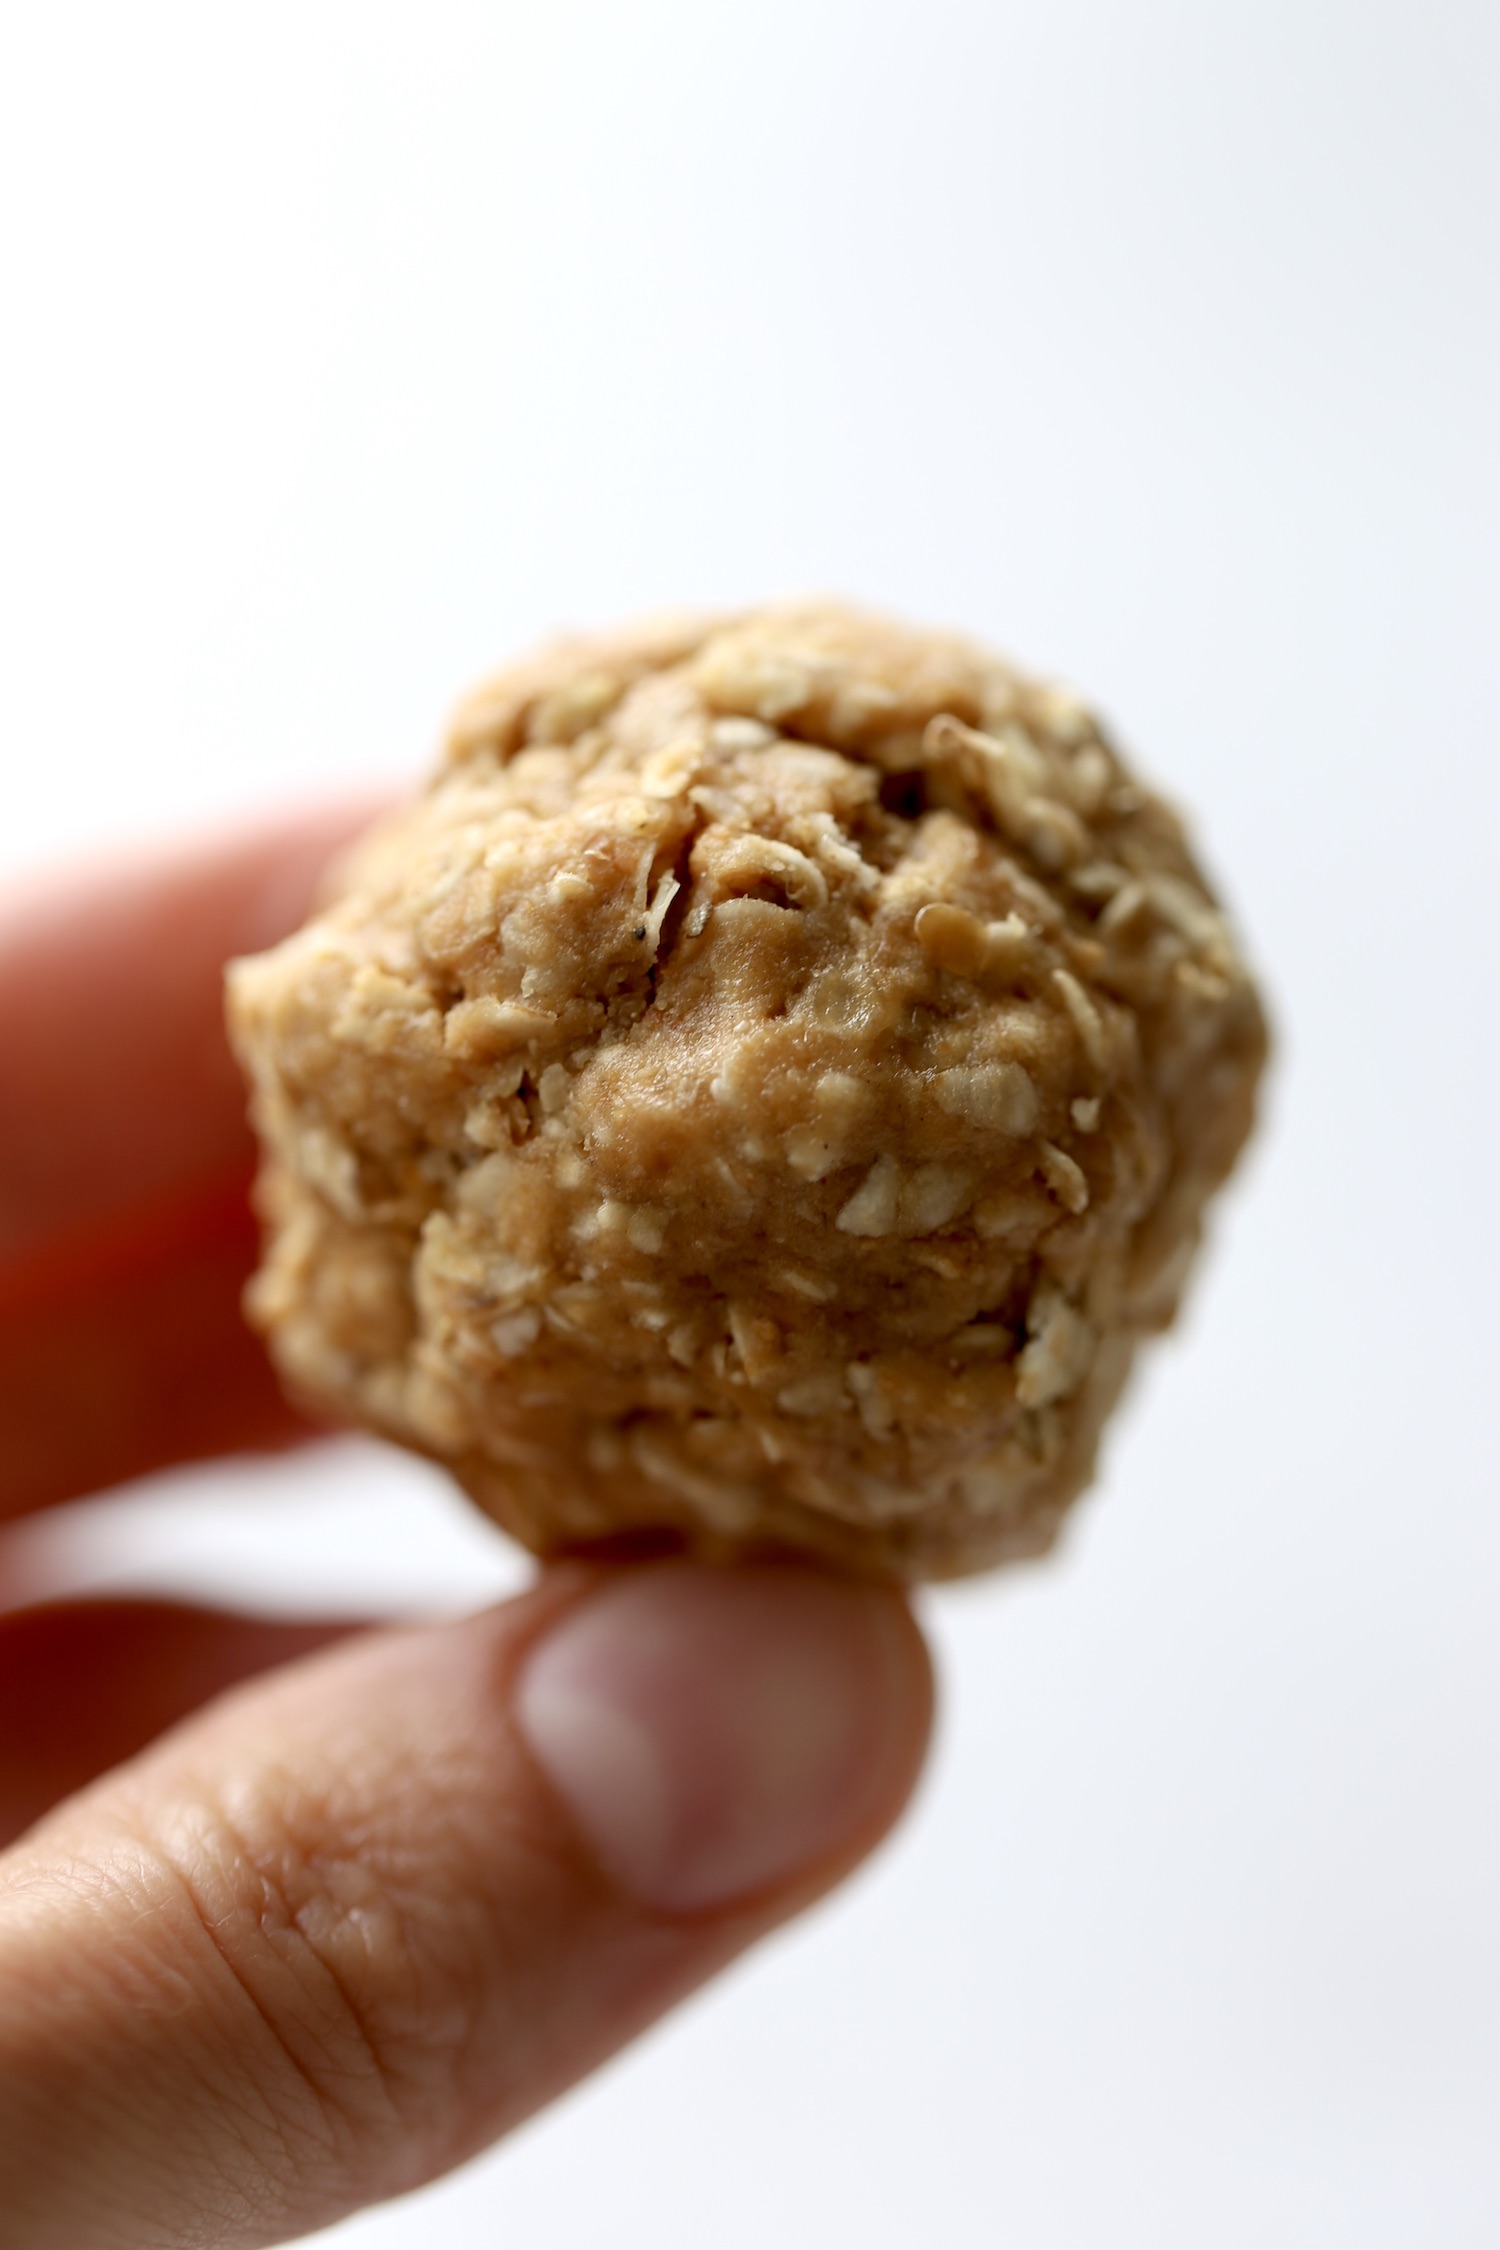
355,2008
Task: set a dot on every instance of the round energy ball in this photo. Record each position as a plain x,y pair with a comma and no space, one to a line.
756,1100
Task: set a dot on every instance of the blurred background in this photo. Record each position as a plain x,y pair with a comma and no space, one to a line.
348,348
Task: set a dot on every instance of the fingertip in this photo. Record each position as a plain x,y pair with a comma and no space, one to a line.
720,1735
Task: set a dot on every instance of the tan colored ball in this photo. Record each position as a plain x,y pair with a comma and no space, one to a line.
757,1099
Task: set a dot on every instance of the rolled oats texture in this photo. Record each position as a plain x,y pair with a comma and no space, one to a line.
756,1100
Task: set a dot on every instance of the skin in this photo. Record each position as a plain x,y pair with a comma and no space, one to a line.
294,1918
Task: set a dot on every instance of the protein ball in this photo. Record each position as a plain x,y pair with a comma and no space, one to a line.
757,1099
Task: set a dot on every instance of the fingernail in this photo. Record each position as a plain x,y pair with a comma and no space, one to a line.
716,1733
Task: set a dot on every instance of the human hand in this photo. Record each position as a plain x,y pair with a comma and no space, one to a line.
334,1932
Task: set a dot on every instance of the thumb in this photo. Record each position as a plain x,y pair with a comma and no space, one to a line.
342,1929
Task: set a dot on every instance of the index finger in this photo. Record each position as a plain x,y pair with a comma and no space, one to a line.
125,1159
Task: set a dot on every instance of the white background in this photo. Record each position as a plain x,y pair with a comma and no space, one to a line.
348,347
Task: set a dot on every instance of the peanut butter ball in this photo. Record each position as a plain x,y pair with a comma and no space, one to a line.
756,1100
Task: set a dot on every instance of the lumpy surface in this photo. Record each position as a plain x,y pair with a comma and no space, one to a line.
758,1097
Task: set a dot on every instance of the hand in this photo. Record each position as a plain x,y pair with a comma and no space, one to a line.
336,1930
